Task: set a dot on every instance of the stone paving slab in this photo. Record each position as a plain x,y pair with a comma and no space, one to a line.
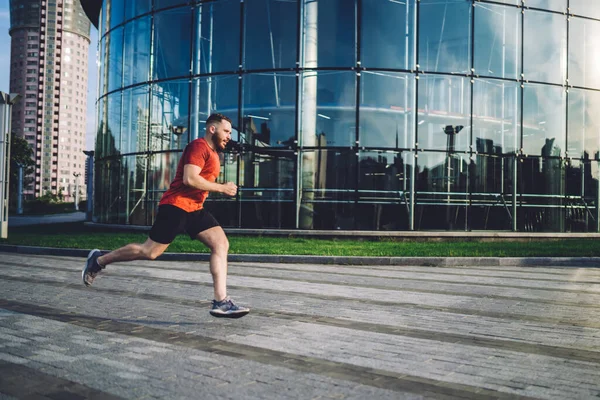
315,331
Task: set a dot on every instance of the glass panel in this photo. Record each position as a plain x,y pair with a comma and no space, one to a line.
267,193
134,137
328,189
217,94
444,31
103,71
444,101
137,51
328,109
112,130
102,21
552,5
269,109
137,7
172,43
114,63
542,189
107,176
271,40
582,195
584,124
158,4
170,112
544,125
329,33
387,34
216,27
584,53
497,41
513,2
387,110
162,169
133,189
545,47
384,190
496,116
115,11
491,182
441,190
585,8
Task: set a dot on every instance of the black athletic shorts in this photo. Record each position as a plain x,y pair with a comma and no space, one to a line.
171,221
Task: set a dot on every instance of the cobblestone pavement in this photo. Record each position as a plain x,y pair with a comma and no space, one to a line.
143,331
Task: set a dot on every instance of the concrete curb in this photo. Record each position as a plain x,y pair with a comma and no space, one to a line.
341,260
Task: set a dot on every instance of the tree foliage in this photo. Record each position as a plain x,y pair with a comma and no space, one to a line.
21,154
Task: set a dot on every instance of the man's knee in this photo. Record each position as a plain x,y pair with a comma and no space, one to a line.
219,246
150,253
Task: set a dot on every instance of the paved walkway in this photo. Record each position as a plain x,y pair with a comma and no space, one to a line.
315,331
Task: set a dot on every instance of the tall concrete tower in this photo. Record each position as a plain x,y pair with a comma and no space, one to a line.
50,41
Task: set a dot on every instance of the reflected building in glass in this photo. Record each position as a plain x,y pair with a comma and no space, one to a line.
356,114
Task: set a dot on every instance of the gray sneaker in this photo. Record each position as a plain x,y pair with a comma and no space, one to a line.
227,309
92,268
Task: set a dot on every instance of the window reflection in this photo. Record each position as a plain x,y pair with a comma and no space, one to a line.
384,190
216,37
329,33
137,51
271,40
388,37
267,192
585,8
545,47
216,94
496,116
114,65
584,124
387,110
328,194
111,125
328,109
269,109
115,13
172,34
133,190
136,115
551,5
137,7
443,101
170,112
544,120
584,53
441,190
497,44
444,29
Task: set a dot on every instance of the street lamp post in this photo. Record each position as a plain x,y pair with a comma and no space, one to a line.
76,175
6,103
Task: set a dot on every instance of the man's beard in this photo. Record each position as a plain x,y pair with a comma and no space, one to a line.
217,145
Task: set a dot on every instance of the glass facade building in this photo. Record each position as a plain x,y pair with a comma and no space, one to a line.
357,114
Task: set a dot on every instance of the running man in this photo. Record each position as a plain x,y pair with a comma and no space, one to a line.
181,208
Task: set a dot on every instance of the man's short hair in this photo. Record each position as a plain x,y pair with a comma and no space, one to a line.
215,118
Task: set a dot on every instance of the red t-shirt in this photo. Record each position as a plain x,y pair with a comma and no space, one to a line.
199,153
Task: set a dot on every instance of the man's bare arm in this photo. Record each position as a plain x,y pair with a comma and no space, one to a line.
192,178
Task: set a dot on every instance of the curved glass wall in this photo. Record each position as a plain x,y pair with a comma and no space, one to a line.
357,114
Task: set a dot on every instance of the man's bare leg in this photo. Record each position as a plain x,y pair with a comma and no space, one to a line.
216,240
149,250
222,306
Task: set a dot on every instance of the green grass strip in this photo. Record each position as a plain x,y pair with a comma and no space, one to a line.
78,236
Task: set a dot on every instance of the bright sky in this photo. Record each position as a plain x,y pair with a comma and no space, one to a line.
92,70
